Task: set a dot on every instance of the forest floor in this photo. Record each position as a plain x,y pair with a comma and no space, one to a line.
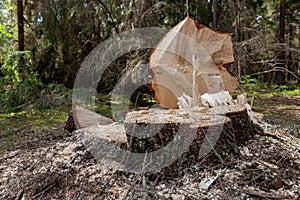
40,161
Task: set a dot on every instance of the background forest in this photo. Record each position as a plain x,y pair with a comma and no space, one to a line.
43,42
42,46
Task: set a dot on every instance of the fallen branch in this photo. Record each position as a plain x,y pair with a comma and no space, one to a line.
261,194
276,69
20,195
47,189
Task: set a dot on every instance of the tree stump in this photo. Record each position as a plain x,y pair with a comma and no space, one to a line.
174,137
153,129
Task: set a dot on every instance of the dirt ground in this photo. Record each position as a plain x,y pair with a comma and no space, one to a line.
280,110
55,165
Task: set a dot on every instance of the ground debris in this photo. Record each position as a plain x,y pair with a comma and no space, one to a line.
266,167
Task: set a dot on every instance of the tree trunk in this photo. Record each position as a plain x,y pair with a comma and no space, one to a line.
215,13
288,76
161,126
187,8
20,26
142,6
278,76
237,21
182,9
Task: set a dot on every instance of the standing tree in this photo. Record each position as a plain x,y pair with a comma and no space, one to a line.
20,25
278,76
215,14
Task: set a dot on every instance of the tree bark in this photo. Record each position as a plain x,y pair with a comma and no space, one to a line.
153,129
142,6
279,76
215,13
182,9
237,21
20,26
289,56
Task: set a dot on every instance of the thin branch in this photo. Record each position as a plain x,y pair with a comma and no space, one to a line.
275,69
110,16
155,7
47,189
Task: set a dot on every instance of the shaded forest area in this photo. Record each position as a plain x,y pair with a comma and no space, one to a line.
43,43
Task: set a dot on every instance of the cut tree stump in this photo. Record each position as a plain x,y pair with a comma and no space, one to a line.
191,134
174,137
187,70
153,129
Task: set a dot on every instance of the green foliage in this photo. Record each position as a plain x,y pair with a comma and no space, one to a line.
288,90
104,109
247,80
8,28
20,83
16,62
253,87
59,34
22,86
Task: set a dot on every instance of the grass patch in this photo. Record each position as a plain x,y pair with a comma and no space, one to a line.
14,127
26,120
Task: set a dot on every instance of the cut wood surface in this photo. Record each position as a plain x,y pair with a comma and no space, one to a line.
217,99
84,118
200,116
152,129
210,100
113,132
106,143
185,46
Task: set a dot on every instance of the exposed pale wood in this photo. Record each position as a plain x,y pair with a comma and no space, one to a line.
242,99
195,84
210,100
185,101
171,63
204,117
106,143
218,99
113,132
84,118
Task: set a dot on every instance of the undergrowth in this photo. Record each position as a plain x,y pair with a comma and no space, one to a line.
254,88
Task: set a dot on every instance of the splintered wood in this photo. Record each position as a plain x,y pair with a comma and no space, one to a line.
185,48
210,100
